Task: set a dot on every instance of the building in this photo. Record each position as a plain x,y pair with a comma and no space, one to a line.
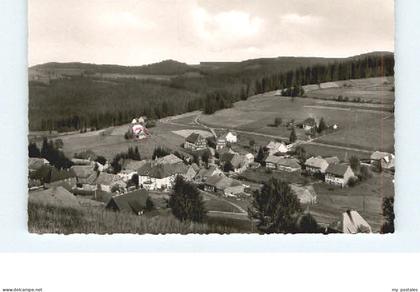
229,137
169,159
332,160
224,185
107,181
275,147
282,163
204,173
85,174
35,163
238,162
195,142
382,160
316,165
338,174
158,176
309,124
133,202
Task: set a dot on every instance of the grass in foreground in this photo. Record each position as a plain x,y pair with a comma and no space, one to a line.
58,219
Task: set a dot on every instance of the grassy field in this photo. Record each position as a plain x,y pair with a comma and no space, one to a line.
377,90
360,125
112,141
45,218
365,197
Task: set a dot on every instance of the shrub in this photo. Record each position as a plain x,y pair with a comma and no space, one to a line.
352,181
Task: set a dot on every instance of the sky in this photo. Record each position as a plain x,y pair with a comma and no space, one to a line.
137,32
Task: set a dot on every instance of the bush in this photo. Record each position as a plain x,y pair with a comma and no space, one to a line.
352,181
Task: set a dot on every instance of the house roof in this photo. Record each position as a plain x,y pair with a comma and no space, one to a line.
353,222
315,162
158,170
377,155
194,137
337,169
83,171
35,163
130,202
283,161
169,159
107,178
305,194
275,145
332,160
195,167
55,195
206,172
235,159
133,165
222,182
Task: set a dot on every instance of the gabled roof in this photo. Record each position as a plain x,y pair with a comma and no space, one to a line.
337,169
158,170
316,162
194,137
55,195
332,160
353,223
275,145
206,172
169,159
377,155
83,171
283,161
133,165
107,178
129,202
35,163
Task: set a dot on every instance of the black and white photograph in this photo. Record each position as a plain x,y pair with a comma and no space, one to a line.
211,116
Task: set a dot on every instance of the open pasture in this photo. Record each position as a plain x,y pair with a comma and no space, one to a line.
111,141
375,90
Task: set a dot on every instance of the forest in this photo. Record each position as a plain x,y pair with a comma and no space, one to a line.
88,102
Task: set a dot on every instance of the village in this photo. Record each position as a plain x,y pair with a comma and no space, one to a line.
226,166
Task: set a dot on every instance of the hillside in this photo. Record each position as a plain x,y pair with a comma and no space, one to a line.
78,96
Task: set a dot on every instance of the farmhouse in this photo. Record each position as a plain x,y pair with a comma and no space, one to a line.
134,202
35,163
338,174
274,147
224,185
316,165
309,124
382,160
107,181
56,195
282,163
205,173
157,176
229,137
239,162
85,174
195,142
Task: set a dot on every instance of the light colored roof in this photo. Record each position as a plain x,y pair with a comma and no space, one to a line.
354,223
222,182
377,155
83,171
107,179
35,163
134,165
332,160
284,161
315,162
206,172
306,195
169,159
275,145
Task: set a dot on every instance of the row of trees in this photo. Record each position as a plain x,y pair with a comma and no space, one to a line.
50,151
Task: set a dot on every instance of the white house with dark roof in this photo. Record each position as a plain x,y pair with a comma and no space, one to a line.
195,142
382,159
275,147
338,174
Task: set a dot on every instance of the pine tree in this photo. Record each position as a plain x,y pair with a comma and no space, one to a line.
293,137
